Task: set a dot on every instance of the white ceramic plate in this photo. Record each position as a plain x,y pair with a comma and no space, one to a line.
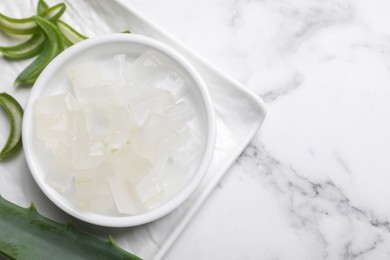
239,115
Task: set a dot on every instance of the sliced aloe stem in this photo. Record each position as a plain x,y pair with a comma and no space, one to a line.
71,36
27,25
25,234
42,7
15,115
52,47
24,50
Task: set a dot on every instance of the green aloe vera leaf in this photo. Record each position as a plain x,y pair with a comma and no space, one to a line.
26,49
71,36
25,234
42,7
30,47
53,45
15,115
28,25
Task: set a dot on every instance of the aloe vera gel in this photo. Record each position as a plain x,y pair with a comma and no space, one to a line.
121,141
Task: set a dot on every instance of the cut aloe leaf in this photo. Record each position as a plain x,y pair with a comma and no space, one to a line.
25,50
42,7
15,115
52,47
71,36
27,25
25,234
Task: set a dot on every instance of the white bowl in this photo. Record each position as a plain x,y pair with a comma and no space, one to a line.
54,80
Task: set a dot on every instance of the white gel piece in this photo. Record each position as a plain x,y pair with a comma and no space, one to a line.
155,101
149,189
85,75
56,104
155,130
129,164
125,196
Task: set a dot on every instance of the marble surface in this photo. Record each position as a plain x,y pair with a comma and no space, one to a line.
314,183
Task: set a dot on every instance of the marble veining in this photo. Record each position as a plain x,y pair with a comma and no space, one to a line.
310,202
314,182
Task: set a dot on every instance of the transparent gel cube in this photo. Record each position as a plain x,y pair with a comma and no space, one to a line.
171,80
125,196
123,126
52,127
190,152
85,75
155,101
149,189
93,190
155,130
56,104
173,177
80,141
128,164
97,121
146,69
180,114
97,94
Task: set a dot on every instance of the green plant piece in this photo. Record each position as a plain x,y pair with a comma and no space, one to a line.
28,25
25,234
15,115
24,50
71,36
53,45
42,7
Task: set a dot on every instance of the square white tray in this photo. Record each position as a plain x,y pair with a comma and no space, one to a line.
239,115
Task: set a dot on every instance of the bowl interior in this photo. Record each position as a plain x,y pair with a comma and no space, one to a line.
55,80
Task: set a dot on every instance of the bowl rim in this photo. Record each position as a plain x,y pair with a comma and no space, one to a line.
176,200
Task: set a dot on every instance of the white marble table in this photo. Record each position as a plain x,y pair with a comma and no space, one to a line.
315,181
